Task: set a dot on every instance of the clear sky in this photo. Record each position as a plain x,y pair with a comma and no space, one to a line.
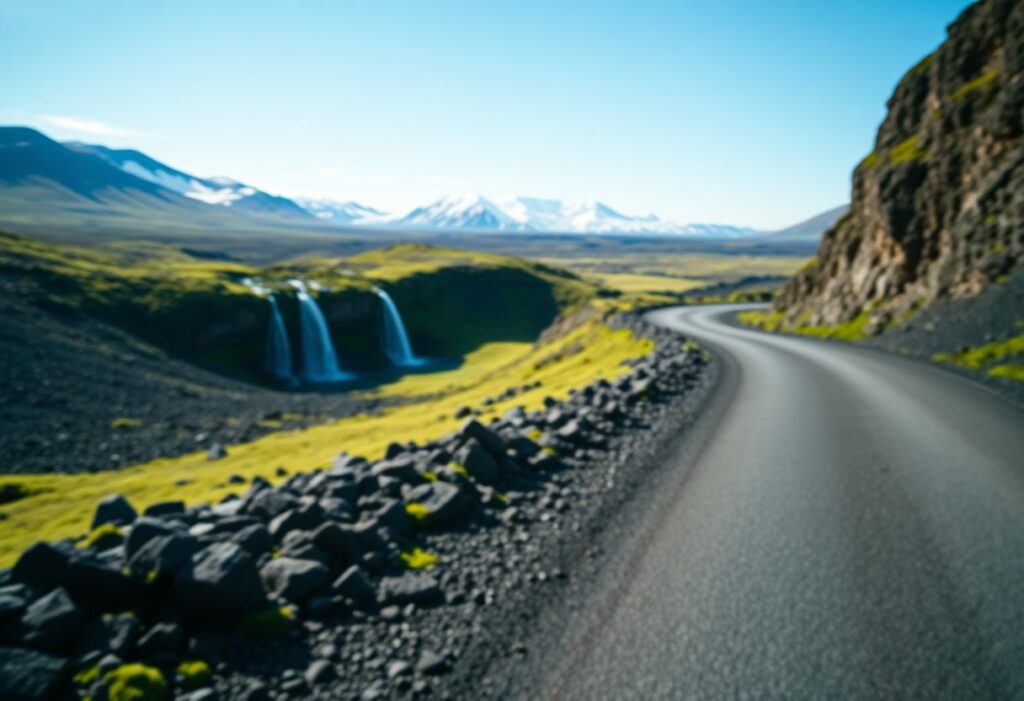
744,112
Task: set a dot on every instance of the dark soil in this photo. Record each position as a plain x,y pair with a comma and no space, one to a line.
951,325
80,395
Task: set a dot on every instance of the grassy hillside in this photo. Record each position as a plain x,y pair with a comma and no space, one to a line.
56,506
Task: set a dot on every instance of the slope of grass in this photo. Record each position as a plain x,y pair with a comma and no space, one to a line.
58,506
980,356
632,282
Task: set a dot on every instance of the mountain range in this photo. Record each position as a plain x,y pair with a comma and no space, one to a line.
46,182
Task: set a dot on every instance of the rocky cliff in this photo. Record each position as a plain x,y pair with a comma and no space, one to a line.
938,207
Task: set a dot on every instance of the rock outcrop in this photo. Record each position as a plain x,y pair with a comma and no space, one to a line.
938,207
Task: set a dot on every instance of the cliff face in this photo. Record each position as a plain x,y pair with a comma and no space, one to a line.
938,206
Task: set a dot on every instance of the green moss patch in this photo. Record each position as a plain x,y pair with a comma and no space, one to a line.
907,151
135,682
193,674
417,559
106,535
980,356
1008,371
984,82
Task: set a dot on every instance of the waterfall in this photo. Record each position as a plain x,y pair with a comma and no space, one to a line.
396,340
319,361
279,351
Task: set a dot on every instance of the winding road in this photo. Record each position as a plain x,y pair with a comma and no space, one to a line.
850,525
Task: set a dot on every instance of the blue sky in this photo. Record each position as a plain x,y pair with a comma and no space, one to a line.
749,113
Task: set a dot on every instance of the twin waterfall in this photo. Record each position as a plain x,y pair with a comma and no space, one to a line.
319,360
396,340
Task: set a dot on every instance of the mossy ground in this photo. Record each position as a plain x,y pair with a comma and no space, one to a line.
989,357
60,506
771,321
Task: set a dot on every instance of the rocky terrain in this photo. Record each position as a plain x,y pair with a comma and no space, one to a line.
938,207
405,577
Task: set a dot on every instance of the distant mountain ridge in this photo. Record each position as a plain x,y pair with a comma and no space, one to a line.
215,191
74,185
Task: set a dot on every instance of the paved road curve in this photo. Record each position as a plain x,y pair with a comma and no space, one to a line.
852,527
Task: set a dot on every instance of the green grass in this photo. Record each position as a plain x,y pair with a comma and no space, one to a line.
923,65
60,506
771,321
980,356
135,682
907,151
870,161
194,674
984,82
417,559
1008,371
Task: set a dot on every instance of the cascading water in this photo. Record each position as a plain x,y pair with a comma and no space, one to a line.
396,341
319,361
279,351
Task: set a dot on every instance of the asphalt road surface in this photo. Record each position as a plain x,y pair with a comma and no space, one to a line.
850,526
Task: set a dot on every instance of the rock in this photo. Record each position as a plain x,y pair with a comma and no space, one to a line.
463,412
162,556
216,452
354,584
339,542
219,581
437,503
304,518
294,580
409,588
161,638
402,467
478,462
51,623
114,509
42,566
491,441
269,503
398,668
204,694
256,539
394,516
115,635
571,432
27,675
319,672
145,529
165,508
100,588
432,663
13,600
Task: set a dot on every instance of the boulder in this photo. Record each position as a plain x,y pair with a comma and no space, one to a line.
145,529
114,509
162,556
340,542
108,635
304,518
269,503
401,467
42,566
220,581
165,508
491,441
436,503
27,675
478,462
394,516
294,580
431,663
51,623
100,588
216,452
409,589
256,539
354,584
13,600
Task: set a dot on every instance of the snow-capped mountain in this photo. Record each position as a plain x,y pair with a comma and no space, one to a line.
343,213
469,212
214,191
474,212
